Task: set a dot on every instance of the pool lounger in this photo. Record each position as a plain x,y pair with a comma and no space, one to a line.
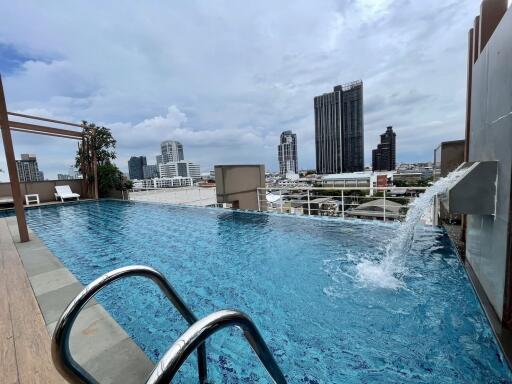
65,192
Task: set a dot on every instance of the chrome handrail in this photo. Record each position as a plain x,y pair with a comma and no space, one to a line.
61,354
197,334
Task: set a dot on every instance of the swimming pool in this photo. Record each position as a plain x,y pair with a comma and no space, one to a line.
296,278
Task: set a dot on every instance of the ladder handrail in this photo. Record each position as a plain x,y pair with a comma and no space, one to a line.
197,334
61,354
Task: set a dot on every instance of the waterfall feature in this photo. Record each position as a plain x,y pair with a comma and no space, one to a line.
388,272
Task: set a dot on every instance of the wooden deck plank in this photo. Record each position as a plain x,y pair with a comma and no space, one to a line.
8,367
31,339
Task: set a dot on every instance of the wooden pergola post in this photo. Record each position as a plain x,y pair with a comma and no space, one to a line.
7,125
95,165
11,166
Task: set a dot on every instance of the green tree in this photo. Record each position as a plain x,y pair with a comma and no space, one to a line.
110,178
101,142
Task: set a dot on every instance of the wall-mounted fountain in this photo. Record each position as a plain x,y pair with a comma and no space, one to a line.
474,190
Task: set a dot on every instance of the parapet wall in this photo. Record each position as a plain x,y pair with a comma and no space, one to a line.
238,185
45,189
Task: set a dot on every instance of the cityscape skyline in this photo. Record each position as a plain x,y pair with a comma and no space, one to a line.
170,163
242,121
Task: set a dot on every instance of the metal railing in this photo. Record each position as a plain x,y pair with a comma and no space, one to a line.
197,334
375,203
193,338
61,354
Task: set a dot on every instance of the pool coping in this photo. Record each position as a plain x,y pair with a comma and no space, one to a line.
97,341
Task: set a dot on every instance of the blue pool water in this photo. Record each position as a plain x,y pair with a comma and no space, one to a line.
296,278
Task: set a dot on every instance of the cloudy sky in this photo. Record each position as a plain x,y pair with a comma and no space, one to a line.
226,77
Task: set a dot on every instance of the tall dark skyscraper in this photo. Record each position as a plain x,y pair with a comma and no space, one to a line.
384,157
136,167
287,153
339,129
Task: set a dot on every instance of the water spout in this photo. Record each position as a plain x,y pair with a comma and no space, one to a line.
388,272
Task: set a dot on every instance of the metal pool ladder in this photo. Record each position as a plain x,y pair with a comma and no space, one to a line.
193,338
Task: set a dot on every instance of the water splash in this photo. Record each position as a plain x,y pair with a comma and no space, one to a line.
388,272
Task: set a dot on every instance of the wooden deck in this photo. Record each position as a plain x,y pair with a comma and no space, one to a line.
24,340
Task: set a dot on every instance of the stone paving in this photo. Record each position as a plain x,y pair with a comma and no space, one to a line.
97,342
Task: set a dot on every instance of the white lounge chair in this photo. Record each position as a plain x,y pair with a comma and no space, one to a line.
65,192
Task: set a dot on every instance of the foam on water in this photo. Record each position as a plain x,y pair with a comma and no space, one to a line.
388,272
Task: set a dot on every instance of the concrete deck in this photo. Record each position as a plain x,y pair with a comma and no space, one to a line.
187,195
35,288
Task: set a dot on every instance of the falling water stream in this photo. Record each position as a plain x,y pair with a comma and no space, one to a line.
388,272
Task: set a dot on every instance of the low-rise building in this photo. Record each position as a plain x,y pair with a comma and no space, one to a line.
378,209
182,168
163,182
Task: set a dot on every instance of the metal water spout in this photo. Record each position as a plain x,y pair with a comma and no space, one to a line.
474,192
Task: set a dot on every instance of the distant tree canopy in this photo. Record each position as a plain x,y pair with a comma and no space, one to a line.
419,183
101,141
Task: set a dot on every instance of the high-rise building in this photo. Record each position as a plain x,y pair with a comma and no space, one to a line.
159,159
171,151
287,153
150,171
384,156
339,129
135,167
28,169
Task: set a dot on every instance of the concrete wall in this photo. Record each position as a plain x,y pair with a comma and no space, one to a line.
488,237
45,189
452,155
237,184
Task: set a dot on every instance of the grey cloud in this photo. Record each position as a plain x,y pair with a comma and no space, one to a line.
239,73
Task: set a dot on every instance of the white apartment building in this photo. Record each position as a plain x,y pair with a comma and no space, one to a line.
171,151
163,182
180,168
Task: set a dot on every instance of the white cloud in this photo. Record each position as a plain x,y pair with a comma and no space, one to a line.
235,74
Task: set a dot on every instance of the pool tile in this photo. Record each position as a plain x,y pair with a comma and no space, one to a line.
53,303
39,261
93,332
50,281
123,363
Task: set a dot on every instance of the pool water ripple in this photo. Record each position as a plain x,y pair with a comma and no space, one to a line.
296,278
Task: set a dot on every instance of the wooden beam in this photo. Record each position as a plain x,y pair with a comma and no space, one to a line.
11,166
45,119
469,83
43,133
33,128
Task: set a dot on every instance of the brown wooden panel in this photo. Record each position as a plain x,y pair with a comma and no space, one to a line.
45,119
8,367
33,128
31,339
